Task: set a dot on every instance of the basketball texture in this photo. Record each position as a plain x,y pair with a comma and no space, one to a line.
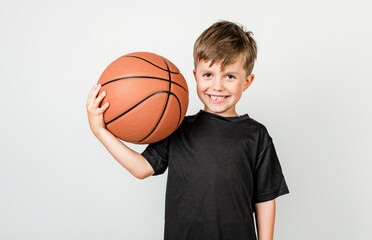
148,97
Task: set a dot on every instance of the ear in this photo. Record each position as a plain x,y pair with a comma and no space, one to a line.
194,74
248,81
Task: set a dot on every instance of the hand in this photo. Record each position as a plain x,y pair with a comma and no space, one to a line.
95,114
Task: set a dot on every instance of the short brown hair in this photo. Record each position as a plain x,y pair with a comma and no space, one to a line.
226,41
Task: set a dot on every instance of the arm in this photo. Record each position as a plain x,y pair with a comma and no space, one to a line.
265,219
131,160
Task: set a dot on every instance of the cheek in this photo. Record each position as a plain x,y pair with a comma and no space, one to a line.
201,87
237,90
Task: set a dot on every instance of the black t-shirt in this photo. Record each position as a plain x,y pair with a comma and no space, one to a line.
218,168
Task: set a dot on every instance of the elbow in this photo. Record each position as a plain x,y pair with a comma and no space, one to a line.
144,172
142,175
139,176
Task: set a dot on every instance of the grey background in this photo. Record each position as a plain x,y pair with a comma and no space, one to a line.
312,91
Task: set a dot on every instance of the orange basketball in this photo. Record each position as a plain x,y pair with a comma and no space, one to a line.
148,97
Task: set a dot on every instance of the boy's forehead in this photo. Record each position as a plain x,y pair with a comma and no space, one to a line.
237,65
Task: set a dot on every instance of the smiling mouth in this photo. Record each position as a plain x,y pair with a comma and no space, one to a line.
217,99
217,96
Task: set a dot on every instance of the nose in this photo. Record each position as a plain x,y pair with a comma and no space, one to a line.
218,84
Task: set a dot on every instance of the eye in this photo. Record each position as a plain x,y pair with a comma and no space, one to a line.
208,75
230,76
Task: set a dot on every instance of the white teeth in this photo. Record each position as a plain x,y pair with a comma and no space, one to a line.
216,98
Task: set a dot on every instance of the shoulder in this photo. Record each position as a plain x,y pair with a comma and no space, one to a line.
184,125
260,131
255,125
188,119
187,122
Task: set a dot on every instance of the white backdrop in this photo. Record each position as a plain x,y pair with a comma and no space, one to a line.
312,91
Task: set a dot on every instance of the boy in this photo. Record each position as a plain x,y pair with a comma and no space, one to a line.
222,166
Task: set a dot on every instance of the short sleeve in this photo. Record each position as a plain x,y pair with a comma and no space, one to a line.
269,181
157,155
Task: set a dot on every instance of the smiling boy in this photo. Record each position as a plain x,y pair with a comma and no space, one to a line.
220,89
222,166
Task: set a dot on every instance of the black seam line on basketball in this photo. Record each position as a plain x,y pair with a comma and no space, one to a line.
170,85
179,103
114,80
166,103
136,105
153,64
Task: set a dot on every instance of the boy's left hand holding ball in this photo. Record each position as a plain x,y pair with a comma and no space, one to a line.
95,114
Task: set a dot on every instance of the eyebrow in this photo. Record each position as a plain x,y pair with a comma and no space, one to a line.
229,72
233,73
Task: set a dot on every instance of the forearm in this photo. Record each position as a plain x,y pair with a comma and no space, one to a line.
265,219
131,160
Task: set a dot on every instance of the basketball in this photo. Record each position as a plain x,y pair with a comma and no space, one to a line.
148,97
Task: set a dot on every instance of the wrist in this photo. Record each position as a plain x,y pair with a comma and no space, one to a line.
100,132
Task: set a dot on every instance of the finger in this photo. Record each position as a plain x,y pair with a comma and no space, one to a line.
104,107
98,100
94,94
90,94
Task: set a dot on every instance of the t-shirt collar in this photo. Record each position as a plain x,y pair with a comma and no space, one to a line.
203,113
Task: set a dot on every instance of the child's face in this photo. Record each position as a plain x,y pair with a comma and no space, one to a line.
229,84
